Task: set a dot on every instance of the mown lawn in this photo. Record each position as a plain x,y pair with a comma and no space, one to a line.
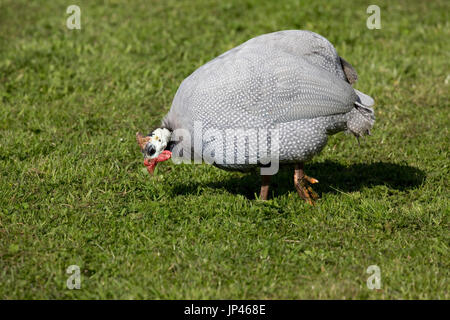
74,191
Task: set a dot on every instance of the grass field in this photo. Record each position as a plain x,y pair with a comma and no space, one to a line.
74,191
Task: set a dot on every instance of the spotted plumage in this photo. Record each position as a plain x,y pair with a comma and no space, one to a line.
292,82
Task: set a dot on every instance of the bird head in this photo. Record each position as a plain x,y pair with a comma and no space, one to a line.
153,147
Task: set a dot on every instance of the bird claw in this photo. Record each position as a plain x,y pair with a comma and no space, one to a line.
305,191
310,179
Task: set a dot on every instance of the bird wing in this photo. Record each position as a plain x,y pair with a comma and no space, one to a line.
259,84
310,46
301,90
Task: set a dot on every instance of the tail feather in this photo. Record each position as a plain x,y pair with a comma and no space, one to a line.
362,118
349,71
363,99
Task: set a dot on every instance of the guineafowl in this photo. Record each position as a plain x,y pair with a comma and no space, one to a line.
274,99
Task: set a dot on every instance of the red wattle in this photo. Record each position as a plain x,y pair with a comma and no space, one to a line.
163,156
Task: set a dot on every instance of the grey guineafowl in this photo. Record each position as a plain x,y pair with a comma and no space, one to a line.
274,98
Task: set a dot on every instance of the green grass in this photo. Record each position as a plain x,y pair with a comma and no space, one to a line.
73,189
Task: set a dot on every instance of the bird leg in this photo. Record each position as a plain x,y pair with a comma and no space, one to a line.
265,181
301,182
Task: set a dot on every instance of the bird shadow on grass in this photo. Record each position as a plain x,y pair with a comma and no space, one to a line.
333,177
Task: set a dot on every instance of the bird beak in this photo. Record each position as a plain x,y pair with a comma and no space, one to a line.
151,164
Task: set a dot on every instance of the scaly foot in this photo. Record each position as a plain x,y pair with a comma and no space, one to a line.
301,182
